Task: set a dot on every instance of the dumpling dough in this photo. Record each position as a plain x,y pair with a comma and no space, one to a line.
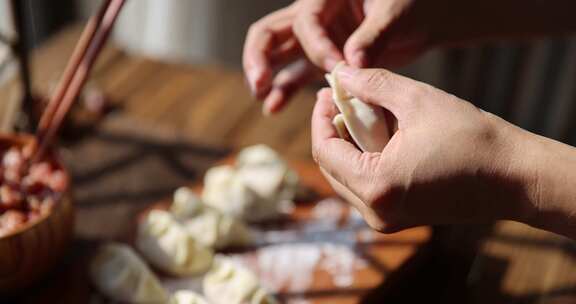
230,283
185,203
166,245
227,193
265,172
216,230
122,276
338,122
208,226
257,188
365,123
187,297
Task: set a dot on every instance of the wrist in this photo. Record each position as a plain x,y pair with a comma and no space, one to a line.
511,162
544,170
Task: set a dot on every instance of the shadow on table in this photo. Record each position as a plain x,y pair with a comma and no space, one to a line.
67,283
146,167
434,275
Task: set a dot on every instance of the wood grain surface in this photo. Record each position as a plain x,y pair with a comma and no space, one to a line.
175,121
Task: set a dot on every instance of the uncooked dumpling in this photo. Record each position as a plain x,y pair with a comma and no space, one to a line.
165,244
185,203
227,193
265,172
230,283
365,123
122,276
257,188
187,297
340,125
217,230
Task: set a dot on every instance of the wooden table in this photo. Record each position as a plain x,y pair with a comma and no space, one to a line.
172,122
175,121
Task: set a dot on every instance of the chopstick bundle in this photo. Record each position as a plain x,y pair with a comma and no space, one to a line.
85,53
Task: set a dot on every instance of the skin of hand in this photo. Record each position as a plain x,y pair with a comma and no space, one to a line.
447,163
290,47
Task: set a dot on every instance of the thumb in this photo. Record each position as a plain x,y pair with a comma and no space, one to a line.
379,87
379,17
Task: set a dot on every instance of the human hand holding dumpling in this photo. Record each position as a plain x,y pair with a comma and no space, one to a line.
448,162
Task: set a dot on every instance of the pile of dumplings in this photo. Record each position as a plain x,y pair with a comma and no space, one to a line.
182,241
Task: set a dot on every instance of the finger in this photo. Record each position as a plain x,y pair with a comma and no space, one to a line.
288,52
367,213
339,158
262,38
379,87
379,16
287,82
312,35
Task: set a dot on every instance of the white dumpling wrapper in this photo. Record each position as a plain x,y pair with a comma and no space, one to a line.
187,297
185,203
340,125
265,172
118,273
166,245
206,225
230,283
365,123
216,230
225,191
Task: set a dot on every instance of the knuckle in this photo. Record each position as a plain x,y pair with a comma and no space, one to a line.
377,80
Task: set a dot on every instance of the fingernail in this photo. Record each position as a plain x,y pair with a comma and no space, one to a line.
346,71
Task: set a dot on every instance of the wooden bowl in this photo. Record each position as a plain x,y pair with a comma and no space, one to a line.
29,252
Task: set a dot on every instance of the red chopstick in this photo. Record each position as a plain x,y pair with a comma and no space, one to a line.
72,66
85,54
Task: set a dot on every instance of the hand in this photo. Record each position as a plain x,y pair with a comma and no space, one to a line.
448,162
313,35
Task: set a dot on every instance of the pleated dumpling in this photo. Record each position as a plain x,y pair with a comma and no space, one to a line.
166,245
185,203
118,273
228,194
230,283
216,230
365,123
265,172
257,188
208,226
187,297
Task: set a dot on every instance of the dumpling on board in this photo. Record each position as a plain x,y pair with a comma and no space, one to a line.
265,172
208,226
230,283
166,245
187,297
216,230
227,193
119,274
185,203
365,123
257,188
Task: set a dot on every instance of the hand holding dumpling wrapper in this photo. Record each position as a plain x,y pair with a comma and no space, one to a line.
364,123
